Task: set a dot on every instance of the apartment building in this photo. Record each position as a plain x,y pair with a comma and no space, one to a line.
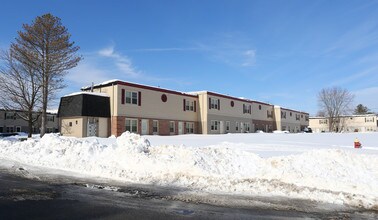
11,121
346,123
149,110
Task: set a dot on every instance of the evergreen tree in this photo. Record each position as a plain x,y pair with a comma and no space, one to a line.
45,47
361,110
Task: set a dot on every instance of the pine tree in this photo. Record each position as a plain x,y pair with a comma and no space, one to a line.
361,110
45,47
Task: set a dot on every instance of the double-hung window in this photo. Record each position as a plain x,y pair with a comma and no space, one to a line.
132,98
189,105
227,125
189,127
132,125
214,103
214,125
172,127
155,126
237,126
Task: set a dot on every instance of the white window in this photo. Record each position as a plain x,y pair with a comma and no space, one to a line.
172,126
246,127
237,126
323,121
214,125
155,126
132,98
369,119
189,127
246,109
214,103
18,129
132,125
227,125
189,105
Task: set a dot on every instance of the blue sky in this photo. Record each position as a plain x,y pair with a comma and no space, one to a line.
281,52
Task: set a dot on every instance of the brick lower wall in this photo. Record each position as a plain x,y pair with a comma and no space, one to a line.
118,126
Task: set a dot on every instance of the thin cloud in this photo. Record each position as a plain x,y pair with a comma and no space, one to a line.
250,58
122,62
168,49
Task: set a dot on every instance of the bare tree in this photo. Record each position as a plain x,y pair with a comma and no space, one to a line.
19,88
335,102
45,47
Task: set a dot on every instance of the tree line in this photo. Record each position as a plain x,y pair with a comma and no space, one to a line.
33,68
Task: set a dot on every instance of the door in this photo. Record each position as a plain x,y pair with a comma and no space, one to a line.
92,127
180,127
221,127
144,126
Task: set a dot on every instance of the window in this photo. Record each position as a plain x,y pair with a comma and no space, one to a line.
269,114
49,130
132,125
10,129
70,123
297,117
10,115
50,118
283,114
214,103
246,127
291,114
172,126
155,126
237,126
214,125
132,98
323,121
1,130
259,107
246,109
18,129
227,125
189,126
189,105
369,119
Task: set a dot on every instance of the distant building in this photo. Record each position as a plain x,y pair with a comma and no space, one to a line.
346,123
10,121
117,106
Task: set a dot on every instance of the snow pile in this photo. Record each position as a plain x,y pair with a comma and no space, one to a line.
329,175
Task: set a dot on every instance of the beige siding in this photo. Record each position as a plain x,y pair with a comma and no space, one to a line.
226,113
353,123
152,105
73,126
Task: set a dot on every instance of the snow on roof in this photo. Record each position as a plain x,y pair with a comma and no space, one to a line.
88,93
52,111
136,84
101,84
364,115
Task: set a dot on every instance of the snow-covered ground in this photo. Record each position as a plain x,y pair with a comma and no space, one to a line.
322,167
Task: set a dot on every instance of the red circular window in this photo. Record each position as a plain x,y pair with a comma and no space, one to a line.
232,103
164,97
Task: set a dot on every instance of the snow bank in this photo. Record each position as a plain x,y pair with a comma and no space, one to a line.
328,175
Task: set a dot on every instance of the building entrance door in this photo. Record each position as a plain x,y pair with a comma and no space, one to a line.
144,126
180,127
221,127
92,127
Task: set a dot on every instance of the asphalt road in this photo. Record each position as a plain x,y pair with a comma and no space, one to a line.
25,198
